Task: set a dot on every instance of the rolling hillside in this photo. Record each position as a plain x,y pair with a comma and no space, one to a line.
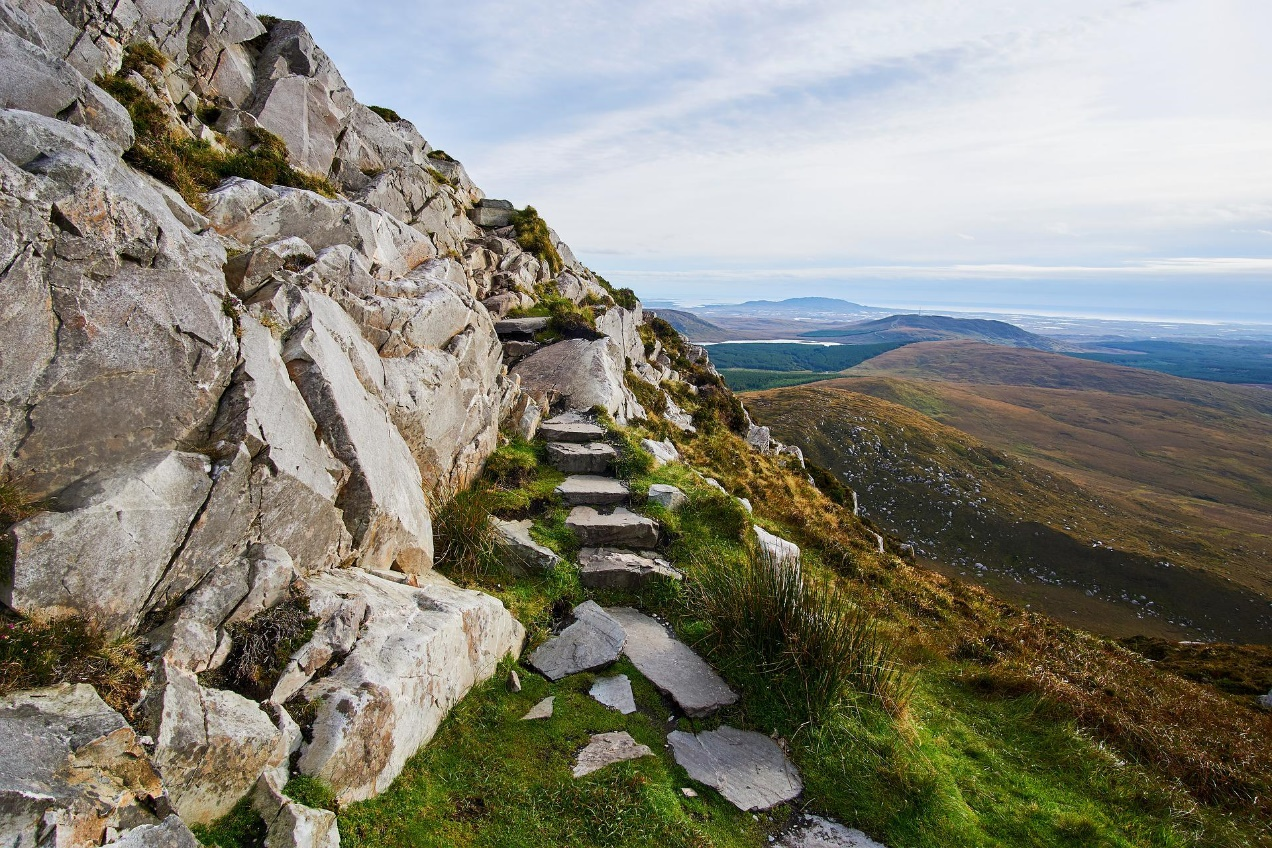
904,329
1031,534
692,327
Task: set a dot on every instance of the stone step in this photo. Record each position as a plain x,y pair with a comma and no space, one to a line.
523,328
671,665
611,568
591,490
621,528
594,640
571,431
749,769
592,458
513,537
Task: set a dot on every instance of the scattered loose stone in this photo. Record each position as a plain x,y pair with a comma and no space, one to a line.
747,768
520,327
556,430
543,709
606,748
668,497
609,568
671,665
594,640
514,681
745,504
591,458
588,489
615,693
514,538
621,527
664,452
688,792
817,832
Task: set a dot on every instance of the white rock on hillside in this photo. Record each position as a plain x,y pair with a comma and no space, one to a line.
578,374
419,651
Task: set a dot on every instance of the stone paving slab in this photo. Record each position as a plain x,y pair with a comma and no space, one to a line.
613,568
591,458
595,639
520,326
606,748
671,665
622,528
817,832
543,709
571,431
592,490
615,692
747,768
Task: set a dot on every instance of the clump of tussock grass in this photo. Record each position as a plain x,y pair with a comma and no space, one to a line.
464,539
803,639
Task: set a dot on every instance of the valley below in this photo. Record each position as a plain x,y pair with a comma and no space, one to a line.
1115,499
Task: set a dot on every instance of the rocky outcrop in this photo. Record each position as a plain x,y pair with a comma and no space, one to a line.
419,650
579,374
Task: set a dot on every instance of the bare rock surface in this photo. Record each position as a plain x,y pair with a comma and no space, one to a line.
622,528
558,430
71,767
590,489
615,692
514,538
671,665
614,568
817,832
663,452
290,824
543,709
607,748
747,768
591,458
777,549
668,497
170,833
579,374
592,641
418,652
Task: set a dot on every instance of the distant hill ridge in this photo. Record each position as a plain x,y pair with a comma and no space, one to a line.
928,328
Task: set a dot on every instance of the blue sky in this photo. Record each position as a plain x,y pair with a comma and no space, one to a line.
1091,156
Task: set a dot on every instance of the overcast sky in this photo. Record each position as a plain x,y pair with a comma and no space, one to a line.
1085,156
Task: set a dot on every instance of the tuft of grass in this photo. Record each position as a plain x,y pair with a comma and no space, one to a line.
803,641
386,113
649,396
464,540
262,648
35,653
312,792
521,480
241,827
533,236
193,166
139,56
441,155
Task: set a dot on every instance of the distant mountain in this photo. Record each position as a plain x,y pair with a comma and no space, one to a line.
798,305
692,327
933,328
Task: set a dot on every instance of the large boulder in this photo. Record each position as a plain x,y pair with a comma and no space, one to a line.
579,374
114,342
104,552
383,501
210,745
72,767
420,649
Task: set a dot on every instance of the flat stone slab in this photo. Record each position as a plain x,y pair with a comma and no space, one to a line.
747,768
520,326
606,748
668,497
543,709
622,527
591,490
595,639
514,538
571,431
671,665
612,568
817,832
572,458
615,692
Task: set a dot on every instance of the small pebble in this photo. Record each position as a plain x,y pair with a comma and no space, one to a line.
514,682
688,793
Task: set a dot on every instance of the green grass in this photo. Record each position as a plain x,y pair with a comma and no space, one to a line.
387,114
239,828
533,236
755,380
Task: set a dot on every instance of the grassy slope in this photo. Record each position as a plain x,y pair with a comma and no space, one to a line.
1183,457
963,502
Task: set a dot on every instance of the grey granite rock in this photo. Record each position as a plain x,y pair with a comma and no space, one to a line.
668,497
622,528
615,692
671,665
817,832
592,490
543,709
747,768
514,538
558,430
592,458
594,640
607,748
663,451
610,568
